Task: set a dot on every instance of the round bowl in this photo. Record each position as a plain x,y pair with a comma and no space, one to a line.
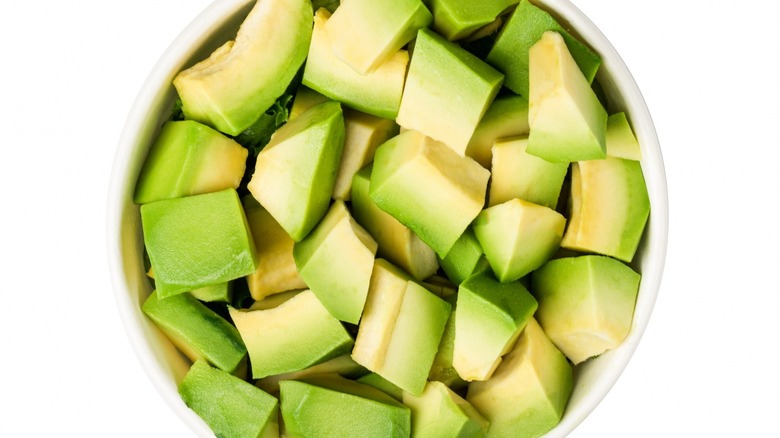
166,367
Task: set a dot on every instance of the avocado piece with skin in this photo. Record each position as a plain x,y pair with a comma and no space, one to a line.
621,142
229,405
334,407
586,303
239,81
336,261
506,117
528,392
441,413
296,171
457,19
439,66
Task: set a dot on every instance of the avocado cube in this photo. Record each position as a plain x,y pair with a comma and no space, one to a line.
463,258
342,365
621,142
524,28
295,335
506,117
437,68
295,173
428,187
336,260
215,293
586,303
457,19
442,369
304,99
197,241
441,413
229,405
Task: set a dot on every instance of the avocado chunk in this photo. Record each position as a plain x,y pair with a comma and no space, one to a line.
295,335
518,174
518,237
523,29
457,19
304,99
377,93
491,316
586,303
428,187
567,122
506,117
342,365
437,68
442,369
365,34
609,208
621,142
239,81
276,271
296,171
441,413
229,405
220,292
189,158
196,330
396,242
197,241
463,258
527,394
334,407
380,383
401,328
336,260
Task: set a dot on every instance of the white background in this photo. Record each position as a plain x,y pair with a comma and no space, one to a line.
69,72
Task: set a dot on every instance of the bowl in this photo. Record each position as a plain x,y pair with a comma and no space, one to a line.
165,366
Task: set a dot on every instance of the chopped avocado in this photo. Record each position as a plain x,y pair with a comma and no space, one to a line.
429,188
305,98
527,394
189,158
463,258
586,303
342,365
242,79
442,369
506,117
377,93
276,271
333,407
457,19
274,300
396,243
523,29
336,260
491,316
197,331
380,383
230,406
609,208
197,241
621,142
365,34
220,292
518,174
295,173
437,68
518,237
440,286
295,335
441,413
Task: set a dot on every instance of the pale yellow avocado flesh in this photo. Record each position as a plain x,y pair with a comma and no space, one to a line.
621,142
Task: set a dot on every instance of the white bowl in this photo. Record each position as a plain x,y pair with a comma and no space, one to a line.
166,367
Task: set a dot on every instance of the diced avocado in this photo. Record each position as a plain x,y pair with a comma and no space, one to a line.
441,413
567,122
518,237
586,303
220,292
336,260
396,243
242,79
276,271
380,383
305,98
426,186
527,394
518,174
295,172
365,34
334,407
506,117
609,208
229,405
524,28
442,369
462,259
296,335
377,93
189,158
491,316
401,328
621,142
342,365
457,19
364,133
196,330
274,300
197,241
437,68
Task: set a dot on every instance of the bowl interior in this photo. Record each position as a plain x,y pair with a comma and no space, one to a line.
217,24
